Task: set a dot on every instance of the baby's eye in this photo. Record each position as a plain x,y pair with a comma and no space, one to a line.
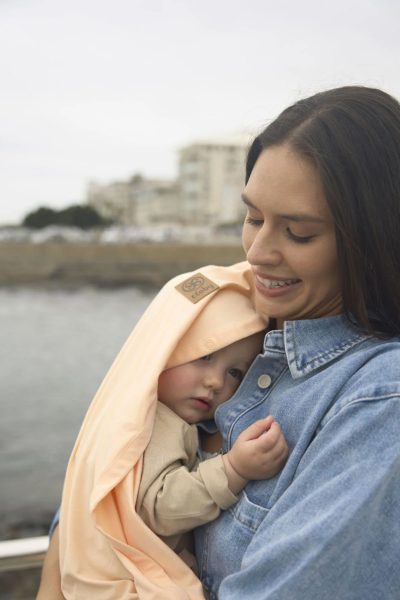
207,357
236,373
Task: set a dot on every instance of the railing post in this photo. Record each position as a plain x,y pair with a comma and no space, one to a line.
23,554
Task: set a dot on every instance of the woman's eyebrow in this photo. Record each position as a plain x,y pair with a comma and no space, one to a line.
246,201
297,217
302,217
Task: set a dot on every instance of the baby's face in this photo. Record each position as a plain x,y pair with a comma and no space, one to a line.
195,389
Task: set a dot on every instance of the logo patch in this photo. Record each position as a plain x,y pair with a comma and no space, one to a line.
196,287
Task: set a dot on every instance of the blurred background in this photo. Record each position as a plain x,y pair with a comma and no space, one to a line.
124,129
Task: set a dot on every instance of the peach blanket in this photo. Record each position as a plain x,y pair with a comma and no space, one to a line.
106,551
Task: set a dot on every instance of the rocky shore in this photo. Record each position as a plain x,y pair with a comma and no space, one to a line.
107,264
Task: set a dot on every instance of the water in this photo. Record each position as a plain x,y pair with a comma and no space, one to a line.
56,347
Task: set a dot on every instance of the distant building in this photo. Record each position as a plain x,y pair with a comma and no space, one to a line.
207,191
112,201
211,180
139,201
154,201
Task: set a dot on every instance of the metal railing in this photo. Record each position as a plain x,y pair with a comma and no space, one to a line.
23,554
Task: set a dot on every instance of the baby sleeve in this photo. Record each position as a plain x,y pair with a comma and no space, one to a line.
177,492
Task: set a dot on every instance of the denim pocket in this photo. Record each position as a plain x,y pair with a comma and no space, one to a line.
248,513
220,545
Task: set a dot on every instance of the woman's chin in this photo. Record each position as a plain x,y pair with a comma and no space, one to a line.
268,309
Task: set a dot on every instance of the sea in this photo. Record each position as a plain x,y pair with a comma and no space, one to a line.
56,346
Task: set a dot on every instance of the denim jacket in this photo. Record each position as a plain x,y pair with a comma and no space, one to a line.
328,525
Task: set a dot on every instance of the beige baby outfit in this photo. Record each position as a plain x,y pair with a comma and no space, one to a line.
177,491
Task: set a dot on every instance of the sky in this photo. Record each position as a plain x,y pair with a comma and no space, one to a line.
97,91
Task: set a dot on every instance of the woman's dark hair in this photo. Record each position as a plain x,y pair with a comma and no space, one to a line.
352,135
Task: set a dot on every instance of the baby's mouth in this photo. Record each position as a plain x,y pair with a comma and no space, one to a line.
202,403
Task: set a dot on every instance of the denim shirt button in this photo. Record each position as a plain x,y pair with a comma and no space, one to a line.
264,381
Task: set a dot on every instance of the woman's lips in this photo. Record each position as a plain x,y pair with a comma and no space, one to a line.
203,404
275,287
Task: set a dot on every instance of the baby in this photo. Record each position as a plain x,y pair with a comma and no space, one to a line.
177,491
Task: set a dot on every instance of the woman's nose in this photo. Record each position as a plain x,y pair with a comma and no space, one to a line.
262,249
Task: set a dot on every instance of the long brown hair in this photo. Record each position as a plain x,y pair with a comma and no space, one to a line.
352,135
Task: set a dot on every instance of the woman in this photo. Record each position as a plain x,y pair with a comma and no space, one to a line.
322,237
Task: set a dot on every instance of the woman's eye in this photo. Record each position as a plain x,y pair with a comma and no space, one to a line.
297,238
236,373
254,222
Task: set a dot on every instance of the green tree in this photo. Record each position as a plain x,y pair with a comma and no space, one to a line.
42,217
83,216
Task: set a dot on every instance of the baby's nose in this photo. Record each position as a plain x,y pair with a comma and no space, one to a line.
214,379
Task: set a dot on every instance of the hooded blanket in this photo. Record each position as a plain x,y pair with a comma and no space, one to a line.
106,550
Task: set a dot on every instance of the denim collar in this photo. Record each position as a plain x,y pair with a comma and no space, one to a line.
311,344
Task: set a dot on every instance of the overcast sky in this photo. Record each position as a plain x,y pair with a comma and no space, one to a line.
99,90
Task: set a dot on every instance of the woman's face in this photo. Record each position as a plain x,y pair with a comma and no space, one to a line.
289,238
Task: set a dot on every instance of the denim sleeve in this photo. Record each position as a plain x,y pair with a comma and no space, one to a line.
55,522
335,532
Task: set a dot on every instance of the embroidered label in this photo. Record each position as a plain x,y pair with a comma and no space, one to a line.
196,287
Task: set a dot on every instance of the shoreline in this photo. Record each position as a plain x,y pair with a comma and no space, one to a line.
70,266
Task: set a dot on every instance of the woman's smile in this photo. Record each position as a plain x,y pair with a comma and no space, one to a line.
273,286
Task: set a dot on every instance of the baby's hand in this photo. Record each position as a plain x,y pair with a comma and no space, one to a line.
260,450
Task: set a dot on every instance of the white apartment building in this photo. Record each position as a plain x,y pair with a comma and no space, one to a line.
211,180
207,191
139,201
154,201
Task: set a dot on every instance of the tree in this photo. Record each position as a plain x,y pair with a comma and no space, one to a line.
83,216
42,217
